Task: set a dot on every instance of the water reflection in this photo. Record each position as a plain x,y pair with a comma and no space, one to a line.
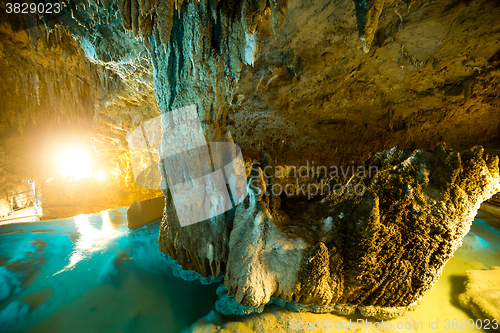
91,239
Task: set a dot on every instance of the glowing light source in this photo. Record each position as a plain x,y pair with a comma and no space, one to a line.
75,163
100,175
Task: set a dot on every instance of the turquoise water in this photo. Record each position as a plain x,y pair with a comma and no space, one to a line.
91,273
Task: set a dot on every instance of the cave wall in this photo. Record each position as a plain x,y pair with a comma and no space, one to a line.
431,75
52,95
340,79
314,95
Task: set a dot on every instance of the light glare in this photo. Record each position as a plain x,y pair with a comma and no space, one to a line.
75,163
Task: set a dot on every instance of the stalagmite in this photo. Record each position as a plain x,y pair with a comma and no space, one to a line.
384,250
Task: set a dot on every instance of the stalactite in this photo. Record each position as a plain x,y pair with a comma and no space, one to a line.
125,13
178,5
145,25
164,20
147,7
367,14
278,11
36,88
134,13
54,84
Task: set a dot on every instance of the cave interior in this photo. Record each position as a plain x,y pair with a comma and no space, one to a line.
249,165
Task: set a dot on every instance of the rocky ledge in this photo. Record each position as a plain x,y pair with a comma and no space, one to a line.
481,294
378,251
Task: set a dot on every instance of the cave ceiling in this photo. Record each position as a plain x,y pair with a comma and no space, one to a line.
431,75
313,92
300,80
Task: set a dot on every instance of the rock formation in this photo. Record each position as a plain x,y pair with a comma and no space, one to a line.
312,94
481,294
315,95
379,251
368,13
277,319
54,94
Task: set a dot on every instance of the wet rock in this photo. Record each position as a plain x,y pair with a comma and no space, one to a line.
389,247
481,296
368,13
263,260
38,298
473,242
114,269
12,315
141,212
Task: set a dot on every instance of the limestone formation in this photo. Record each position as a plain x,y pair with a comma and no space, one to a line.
111,65
381,251
142,212
368,13
481,294
200,63
53,93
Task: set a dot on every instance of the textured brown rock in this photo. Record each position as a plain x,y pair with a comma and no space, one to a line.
54,96
259,246
368,13
313,95
481,294
204,246
316,277
38,298
387,246
142,212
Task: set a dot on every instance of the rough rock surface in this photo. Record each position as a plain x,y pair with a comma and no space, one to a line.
196,50
430,72
313,94
481,294
53,95
188,70
10,283
368,14
379,251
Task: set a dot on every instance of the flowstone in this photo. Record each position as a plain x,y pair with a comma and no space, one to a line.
381,251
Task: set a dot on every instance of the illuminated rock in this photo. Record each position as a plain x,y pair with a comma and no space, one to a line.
142,212
387,247
481,295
